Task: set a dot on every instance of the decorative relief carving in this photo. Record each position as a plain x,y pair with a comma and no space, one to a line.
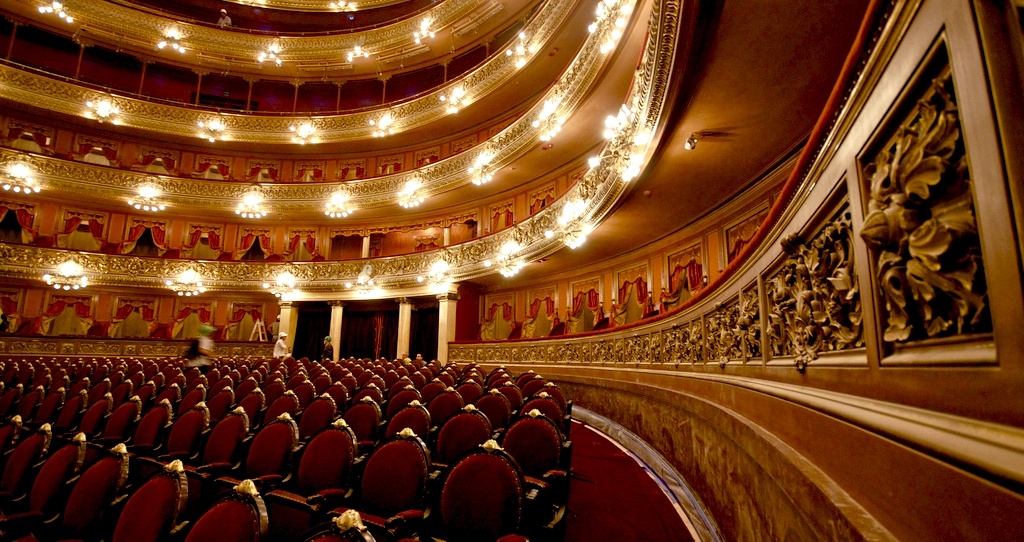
813,301
748,326
724,340
674,341
921,225
694,345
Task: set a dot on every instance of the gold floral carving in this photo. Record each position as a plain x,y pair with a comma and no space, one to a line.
748,325
921,226
724,342
813,303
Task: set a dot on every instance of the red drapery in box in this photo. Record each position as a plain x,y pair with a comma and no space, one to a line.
197,234
241,312
502,219
204,314
693,271
109,153
249,239
24,220
95,226
591,299
293,243
158,233
81,308
124,310
316,173
150,158
223,169
507,312
549,306
254,171
8,304
40,139
360,171
641,290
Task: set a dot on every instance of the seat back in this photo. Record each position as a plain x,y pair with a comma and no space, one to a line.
172,393
153,509
122,421
461,433
496,407
286,403
547,406
9,399
220,403
253,403
50,407
523,378
146,392
28,452
327,459
150,431
271,450
370,390
444,404
304,392
96,416
184,439
482,496
350,382
556,395
221,383
245,388
470,391
225,440
26,407
364,418
400,399
414,416
431,389
321,383
191,399
71,412
121,393
316,416
273,390
10,432
95,491
58,469
395,476
99,391
535,443
513,394
239,517
339,393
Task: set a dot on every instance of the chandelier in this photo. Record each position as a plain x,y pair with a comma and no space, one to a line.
251,205
385,126
103,109
188,284
506,262
425,31
338,206
612,12
437,277
409,196
357,52
58,8
549,123
303,133
576,237
283,286
456,99
481,169
519,51
365,286
146,199
213,129
19,179
69,276
271,53
172,39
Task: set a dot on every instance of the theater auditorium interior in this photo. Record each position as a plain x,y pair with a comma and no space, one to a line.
482,270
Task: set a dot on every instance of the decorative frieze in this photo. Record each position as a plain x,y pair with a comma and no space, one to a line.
921,227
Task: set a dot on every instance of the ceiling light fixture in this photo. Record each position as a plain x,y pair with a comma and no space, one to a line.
283,286
187,284
103,109
547,121
19,179
251,205
146,199
357,52
172,39
508,264
425,31
338,206
69,276
58,8
410,196
384,125
304,133
519,50
481,171
611,12
437,277
213,129
456,99
271,53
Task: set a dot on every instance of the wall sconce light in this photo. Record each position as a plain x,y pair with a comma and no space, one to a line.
704,280
691,142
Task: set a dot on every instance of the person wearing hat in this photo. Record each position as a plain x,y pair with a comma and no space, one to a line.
224,21
328,350
281,349
201,349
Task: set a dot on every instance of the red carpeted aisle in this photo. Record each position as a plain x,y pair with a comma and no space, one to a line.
612,498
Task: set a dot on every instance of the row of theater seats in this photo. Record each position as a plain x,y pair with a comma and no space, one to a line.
373,461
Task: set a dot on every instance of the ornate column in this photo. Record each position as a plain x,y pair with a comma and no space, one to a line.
337,308
366,247
445,324
289,321
447,236
404,325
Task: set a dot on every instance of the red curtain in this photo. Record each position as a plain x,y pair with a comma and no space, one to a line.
159,234
58,306
8,304
193,239
124,310
14,133
641,290
502,220
249,239
201,168
204,314
549,306
506,312
95,226
590,297
293,243
23,215
240,313
223,169
40,139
